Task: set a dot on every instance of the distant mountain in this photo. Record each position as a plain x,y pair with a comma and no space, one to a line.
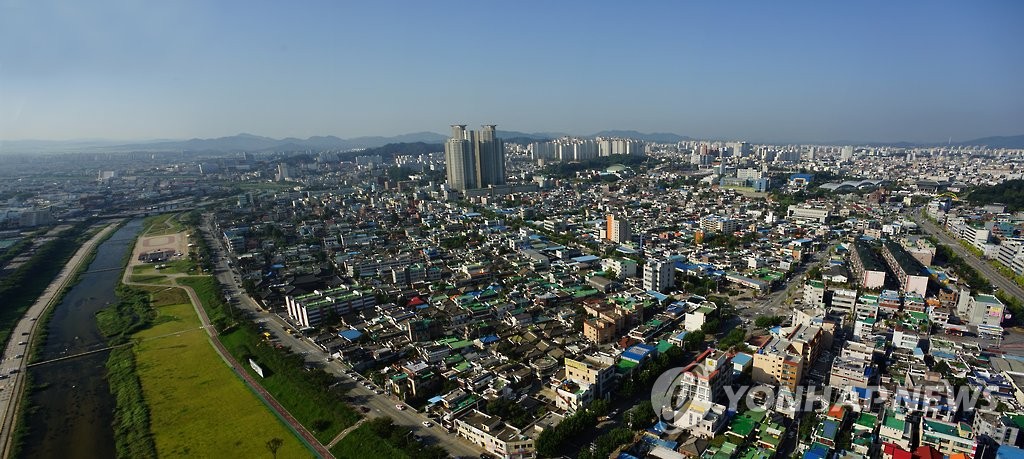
1015,141
253,143
658,137
535,136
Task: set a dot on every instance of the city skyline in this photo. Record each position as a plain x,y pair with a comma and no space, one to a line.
918,72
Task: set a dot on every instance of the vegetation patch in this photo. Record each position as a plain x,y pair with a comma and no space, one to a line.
198,406
131,313
380,438
309,394
22,287
132,437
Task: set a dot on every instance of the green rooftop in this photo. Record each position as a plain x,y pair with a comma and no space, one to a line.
891,422
867,420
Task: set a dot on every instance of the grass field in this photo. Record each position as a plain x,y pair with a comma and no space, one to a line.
160,225
363,443
198,406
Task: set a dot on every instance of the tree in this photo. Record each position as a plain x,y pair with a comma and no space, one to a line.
273,445
768,321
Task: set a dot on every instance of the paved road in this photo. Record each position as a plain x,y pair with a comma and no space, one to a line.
996,278
379,405
15,355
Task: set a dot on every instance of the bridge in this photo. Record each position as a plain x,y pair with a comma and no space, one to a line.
75,356
102,270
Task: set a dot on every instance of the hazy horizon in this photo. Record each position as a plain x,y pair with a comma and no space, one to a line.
804,71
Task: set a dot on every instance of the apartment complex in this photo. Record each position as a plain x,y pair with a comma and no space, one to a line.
474,159
909,272
867,267
309,310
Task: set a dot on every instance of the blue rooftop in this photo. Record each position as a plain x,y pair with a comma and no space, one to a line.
1009,452
350,334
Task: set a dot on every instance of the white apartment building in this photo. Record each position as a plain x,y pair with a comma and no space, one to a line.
659,275
493,435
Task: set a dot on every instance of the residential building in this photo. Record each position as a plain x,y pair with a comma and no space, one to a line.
309,310
705,377
493,435
591,371
617,229
909,272
474,159
948,437
659,275
814,293
867,267
996,426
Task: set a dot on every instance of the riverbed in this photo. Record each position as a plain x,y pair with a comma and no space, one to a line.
71,410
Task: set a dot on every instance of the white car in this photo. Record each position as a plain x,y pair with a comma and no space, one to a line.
400,407
427,423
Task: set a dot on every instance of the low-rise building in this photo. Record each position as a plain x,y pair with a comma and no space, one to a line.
493,435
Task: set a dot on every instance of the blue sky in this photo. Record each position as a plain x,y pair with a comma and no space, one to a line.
762,71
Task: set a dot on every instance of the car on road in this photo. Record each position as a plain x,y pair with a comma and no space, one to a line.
400,406
427,423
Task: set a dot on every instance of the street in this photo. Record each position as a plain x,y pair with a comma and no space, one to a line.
982,266
379,405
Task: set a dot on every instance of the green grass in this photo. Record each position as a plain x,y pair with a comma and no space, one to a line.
322,414
198,406
159,225
381,438
362,443
150,279
23,286
304,393
132,435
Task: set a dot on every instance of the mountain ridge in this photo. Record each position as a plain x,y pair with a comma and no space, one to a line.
256,143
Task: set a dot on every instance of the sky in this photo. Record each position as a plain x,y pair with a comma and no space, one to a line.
751,70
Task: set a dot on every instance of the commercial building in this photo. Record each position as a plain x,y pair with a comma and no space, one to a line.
808,213
705,378
474,159
777,362
985,310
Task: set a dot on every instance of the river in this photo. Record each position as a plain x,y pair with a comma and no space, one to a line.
71,409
